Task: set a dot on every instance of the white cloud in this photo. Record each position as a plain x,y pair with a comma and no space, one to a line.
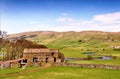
102,22
64,19
110,17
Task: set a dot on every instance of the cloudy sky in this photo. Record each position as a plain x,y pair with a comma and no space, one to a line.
59,15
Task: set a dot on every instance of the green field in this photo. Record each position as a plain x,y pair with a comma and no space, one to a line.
69,72
76,52
60,73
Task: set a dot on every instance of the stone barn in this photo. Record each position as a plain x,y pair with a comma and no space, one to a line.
38,56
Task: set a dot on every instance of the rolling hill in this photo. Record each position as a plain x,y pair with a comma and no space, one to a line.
83,38
73,44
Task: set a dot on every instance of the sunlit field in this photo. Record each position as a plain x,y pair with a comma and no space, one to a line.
60,73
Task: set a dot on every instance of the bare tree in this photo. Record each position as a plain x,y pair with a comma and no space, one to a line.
2,34
2,42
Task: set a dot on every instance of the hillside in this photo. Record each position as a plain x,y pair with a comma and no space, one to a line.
84,38
73,44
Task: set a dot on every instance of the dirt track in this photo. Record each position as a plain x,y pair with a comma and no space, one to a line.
27,71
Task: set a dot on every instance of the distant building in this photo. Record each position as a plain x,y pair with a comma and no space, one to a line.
37,56
34,57
116,48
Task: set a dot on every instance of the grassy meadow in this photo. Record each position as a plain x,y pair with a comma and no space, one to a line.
76,52
60,73
68,72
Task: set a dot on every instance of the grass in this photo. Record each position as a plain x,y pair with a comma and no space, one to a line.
76,51
65,73
9,71
69,72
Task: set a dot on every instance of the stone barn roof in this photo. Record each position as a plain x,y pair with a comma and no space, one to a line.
38,50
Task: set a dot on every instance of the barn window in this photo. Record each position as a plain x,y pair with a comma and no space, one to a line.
54,59
52,53
46,60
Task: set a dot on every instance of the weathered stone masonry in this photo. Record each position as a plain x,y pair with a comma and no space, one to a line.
38,56
102,66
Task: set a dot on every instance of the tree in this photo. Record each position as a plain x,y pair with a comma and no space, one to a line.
79,40
2,42
2,34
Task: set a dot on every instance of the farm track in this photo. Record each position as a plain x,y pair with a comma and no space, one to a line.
27,71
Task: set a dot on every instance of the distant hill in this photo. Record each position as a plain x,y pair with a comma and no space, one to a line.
83,38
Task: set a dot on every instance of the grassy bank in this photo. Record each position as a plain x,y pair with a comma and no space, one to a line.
63,73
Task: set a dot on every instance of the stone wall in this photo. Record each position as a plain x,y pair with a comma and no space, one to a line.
102,66
9,65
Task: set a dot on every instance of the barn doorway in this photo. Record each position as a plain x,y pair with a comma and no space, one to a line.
35,59
22,63
46,60
54,59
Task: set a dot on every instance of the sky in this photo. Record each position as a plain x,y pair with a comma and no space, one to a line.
59,15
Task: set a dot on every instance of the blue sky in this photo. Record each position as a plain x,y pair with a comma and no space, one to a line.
60,15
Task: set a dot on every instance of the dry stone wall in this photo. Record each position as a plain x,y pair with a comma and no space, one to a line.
102,66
